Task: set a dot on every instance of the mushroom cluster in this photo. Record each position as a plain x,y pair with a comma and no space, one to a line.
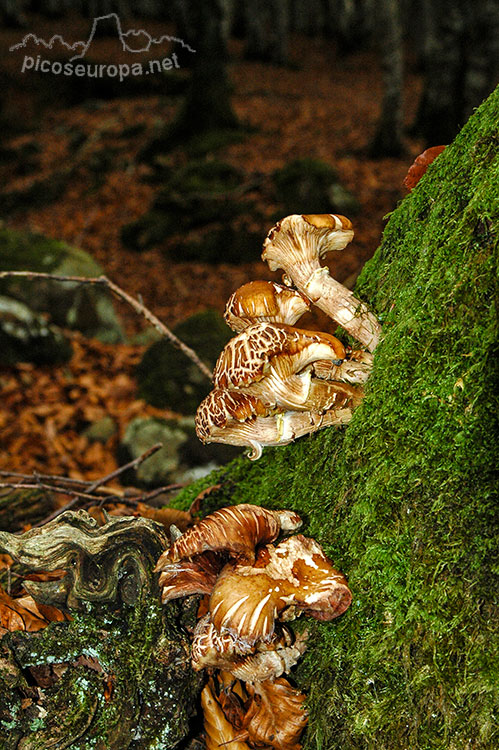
274,382
253,584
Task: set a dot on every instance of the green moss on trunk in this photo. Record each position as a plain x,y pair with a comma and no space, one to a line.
402,499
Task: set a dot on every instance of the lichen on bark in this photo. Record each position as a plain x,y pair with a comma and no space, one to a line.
118,674
403,498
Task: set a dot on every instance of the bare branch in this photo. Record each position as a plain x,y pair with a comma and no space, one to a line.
140,308
130,465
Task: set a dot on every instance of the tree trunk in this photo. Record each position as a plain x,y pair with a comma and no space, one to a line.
402,498
207,106
267,30
461,67
387,140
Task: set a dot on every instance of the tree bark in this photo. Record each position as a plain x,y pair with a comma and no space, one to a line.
207,105
387,140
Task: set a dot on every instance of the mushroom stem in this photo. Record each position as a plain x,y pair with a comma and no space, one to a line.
354,370
340,304
296,244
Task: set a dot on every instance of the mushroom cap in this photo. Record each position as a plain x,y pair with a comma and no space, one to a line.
264,301
221,407
292,577
249,356
236,530
298,241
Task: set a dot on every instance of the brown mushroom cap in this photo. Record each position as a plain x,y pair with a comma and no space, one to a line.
264,302
270,361
293,577
248,357
236,530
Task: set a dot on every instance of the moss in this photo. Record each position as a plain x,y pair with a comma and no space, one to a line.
404,498
127,681
167,377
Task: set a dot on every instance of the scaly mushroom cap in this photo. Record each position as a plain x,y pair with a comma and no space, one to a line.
293,577
264,302
248,357
222,407
214,422
237,531
297,242
270,361
213,650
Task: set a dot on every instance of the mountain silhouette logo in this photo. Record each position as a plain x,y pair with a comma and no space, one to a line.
142,39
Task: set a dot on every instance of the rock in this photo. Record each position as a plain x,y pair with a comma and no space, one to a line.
183,458
192,216
25,336
167,378
144,432
101,430
83,307
312,186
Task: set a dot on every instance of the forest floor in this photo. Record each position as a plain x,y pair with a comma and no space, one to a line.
322,107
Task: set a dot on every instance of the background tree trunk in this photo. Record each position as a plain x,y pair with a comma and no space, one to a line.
402,499
207,105
387,140
461,66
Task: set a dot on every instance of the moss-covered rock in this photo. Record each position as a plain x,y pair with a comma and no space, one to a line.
71,305
312,186
167,378
199,196
26,336
404,499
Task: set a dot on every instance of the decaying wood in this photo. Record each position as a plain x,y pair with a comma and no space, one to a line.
116,671
95,558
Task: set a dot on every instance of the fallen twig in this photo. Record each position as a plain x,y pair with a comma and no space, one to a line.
137,306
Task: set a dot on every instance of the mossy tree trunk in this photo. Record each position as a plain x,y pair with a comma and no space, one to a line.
402,499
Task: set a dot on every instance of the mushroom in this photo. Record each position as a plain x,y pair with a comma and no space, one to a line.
296,244
186,577
256,663
236,530
218,731
355,369
273,363
293,577
264,302
237,418
276,715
